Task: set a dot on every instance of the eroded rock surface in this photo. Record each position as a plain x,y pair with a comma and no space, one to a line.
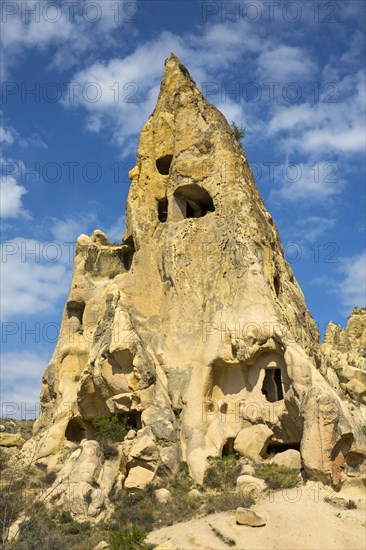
194,327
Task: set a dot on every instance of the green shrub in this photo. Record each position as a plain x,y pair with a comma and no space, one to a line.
239,133
182,481
113,428
75,528
40,533
3,460
277,477
65,517
49,478
227,500
339,372
109,450
124,539
221,472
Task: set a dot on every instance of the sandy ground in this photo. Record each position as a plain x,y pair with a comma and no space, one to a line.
297,519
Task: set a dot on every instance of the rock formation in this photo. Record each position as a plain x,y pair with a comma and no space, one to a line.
194,327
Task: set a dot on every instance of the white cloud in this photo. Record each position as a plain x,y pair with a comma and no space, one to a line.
21,375
68,230
352,288
71,29
128,87
11,194
284,63
34,276
336,126
115,231
312,227
7,136
313,182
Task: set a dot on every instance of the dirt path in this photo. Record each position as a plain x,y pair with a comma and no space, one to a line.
296,520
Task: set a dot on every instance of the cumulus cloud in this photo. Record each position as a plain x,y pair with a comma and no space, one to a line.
314,182
284,63
21,375
7,135
313,227
352,287
333,124
71,29
11,194
34,276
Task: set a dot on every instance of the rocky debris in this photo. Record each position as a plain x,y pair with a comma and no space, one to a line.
290,459
193,328
163,495
102,545
11,440
244,516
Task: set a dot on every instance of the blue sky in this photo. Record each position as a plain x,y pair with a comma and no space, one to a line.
79,79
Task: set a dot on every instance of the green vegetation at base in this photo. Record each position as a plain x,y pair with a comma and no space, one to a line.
222,472
277,477
132,539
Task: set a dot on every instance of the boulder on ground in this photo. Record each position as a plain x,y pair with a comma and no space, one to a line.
11,440
138,477
244,516
163,495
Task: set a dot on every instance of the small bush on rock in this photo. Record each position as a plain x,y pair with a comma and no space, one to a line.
113,428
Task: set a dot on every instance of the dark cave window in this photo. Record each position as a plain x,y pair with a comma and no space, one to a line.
75,309
277,285
194,201
163,164
228,448
272,385
190,211
75,431
163,210
128,252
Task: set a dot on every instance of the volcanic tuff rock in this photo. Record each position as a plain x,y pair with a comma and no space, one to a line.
194,327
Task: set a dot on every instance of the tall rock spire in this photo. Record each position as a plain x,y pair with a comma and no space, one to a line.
196,315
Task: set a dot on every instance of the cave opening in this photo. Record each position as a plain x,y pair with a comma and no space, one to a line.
163,164
277,285
228,448
163,209
75,431
274,448
128,252
272,385
193,201
75,309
